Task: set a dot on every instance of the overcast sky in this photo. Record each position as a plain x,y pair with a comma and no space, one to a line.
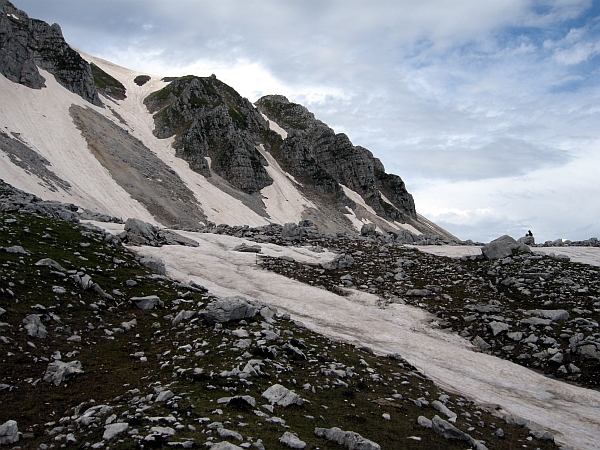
488,110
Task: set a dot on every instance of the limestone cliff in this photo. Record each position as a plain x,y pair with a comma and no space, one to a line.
26,44
215,128
316,154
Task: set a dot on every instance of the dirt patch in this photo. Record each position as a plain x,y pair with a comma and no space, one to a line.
138,170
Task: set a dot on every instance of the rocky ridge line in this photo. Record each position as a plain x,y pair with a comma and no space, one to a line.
26,44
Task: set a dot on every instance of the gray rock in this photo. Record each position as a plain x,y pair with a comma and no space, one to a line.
342,261
224,310
444,410
156,265
28,44
527,240
480,342
292,441
447,430
9,433
59,371
515,336
557,358
589,351
183,315
243,399
138,232
368,229
229,434
536,321
326,160
349,439
163,396
17,249
281,396
170,237
148,302
34,326
552,314
424,422
498,327
245,248
225,446
110,431
51,263
292,231
418,292
503,247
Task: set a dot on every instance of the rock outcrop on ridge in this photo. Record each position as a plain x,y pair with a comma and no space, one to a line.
211,120
26,44
315,154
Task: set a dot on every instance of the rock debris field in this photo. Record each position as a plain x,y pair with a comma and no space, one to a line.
99,351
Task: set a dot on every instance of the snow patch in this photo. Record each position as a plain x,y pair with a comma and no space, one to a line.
282,199
276,128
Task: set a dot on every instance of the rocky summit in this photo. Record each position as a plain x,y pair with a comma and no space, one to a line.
182,268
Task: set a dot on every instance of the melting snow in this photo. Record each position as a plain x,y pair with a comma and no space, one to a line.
283,200
276,128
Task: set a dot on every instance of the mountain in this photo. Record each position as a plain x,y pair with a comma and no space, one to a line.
181,151
254,334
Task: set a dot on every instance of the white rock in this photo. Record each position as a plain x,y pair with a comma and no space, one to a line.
111,430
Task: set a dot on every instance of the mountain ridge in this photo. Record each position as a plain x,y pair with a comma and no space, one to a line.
201,121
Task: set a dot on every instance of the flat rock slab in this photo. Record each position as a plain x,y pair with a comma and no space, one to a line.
147,303
349,439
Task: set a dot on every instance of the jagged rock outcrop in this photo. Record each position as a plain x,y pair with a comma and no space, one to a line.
211,120
26,44
314,153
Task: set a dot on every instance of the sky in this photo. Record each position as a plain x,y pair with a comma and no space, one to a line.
488,110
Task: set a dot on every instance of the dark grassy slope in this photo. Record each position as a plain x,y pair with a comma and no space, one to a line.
123,367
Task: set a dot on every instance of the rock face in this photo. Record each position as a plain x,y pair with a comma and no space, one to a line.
26,44
323,160
211,120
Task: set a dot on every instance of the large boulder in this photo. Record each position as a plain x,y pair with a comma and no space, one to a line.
503,247
282,396
224,310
